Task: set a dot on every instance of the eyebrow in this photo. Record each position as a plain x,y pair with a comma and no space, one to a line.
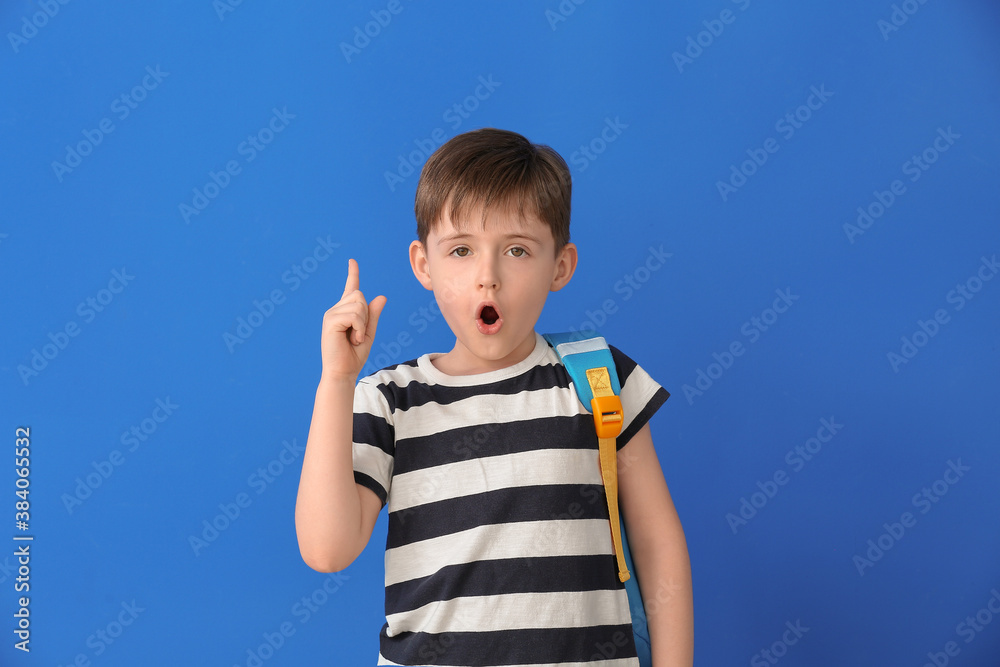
461,236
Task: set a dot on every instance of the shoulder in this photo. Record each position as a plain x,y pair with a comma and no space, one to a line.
641,395
627,368
392,373
387,386
623,363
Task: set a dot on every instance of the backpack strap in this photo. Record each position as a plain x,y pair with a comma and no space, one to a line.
592,369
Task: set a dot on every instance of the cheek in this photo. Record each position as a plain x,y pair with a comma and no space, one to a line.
452,295
529,295
448,299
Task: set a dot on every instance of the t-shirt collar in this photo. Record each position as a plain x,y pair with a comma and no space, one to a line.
533,359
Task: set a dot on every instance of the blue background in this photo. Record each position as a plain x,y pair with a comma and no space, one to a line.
559,74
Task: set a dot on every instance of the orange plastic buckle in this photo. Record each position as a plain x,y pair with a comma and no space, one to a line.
607,415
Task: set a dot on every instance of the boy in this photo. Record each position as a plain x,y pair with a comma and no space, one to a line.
499,550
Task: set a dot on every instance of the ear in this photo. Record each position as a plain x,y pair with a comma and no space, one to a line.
418,262
565,266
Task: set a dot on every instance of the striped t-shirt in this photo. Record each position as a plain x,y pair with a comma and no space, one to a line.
499,548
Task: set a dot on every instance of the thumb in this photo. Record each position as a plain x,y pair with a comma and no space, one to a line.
374,310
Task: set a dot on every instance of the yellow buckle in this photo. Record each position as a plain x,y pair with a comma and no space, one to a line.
607,415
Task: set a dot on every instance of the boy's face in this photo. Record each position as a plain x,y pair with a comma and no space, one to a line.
490,285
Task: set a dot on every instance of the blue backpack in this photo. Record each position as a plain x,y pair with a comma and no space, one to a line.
590,365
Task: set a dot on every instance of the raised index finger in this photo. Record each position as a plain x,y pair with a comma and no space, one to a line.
353,280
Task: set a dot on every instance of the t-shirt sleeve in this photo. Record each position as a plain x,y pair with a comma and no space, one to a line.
374,438
641,395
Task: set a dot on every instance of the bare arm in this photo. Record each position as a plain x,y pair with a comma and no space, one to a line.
334,516
659,552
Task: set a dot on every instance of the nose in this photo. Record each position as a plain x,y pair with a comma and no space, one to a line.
488,276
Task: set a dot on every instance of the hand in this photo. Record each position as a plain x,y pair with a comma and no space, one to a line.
349,329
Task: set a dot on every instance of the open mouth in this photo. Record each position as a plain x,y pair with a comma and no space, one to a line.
489,315
489,320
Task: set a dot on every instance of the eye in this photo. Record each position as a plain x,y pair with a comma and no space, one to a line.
461,251
518,251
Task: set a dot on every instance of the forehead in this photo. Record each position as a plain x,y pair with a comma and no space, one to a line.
495,222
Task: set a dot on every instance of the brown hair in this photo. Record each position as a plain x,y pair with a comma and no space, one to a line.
490,170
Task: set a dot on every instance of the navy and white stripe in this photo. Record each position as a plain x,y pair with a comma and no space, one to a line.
499,548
